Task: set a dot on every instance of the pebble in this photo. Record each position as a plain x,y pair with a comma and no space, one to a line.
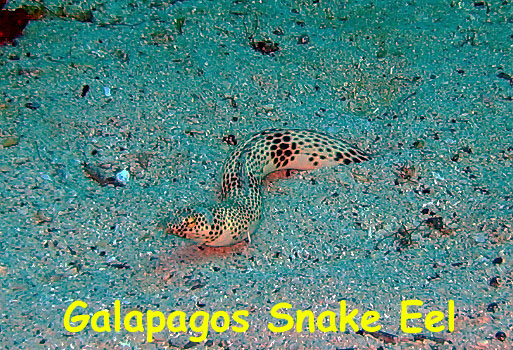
122,177
41,217
419,144
500,336
498,261
32,105
492,307
268,108
480,237
303,39
85,90
10,141
230,140
4,168
495,282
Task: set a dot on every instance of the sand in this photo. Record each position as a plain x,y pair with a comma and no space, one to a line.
424,87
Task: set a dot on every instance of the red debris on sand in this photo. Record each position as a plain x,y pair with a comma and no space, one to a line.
12,23
265,47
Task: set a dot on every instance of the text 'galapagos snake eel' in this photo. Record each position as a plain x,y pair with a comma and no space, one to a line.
238,213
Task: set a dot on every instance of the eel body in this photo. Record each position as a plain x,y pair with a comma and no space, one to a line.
237,214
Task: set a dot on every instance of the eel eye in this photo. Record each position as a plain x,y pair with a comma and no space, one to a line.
191,222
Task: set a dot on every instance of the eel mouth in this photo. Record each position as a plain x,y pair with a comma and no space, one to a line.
162,224
167,224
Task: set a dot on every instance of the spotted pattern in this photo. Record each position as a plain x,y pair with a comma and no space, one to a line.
239,211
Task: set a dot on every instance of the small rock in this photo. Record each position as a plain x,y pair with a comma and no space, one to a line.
41,217
230,140
265,47
4,168
85,90
122,177
492,307
381,53
498,261
500,336
495,282
480,237
303,39
278,31
10,141
418,144
268,108
32,105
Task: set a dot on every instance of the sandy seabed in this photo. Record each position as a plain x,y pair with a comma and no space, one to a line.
424,86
